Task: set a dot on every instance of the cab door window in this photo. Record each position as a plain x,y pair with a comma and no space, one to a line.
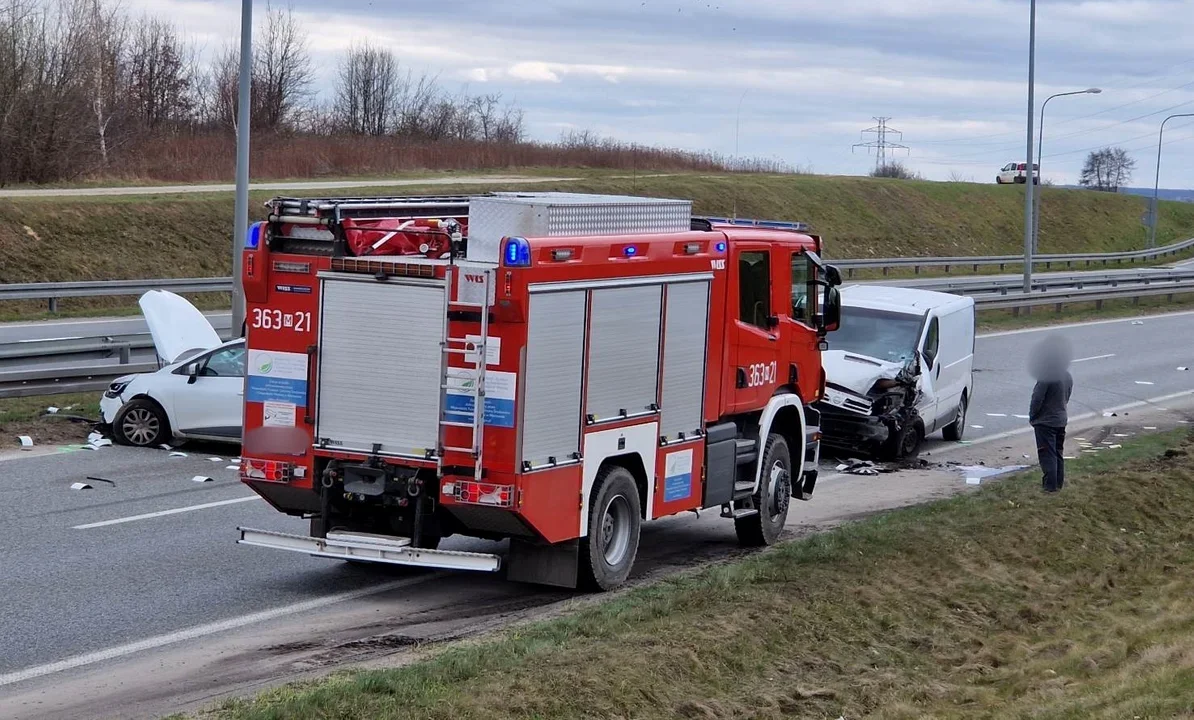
804,294
932,343
754,288
229,362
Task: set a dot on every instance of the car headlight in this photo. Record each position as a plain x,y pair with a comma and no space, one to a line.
116,388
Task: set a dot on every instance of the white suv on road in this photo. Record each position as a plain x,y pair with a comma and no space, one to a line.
1016,173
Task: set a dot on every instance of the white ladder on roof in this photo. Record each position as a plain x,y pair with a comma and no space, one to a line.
468,382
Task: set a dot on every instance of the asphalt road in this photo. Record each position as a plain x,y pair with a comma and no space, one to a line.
277,186
73,590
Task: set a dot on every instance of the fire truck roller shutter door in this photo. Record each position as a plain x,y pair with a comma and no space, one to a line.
551,416
380,386
684,352
623,351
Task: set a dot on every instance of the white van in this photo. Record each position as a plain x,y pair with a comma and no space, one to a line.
899,368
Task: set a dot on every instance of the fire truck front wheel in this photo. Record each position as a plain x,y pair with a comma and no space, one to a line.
772,499
615,517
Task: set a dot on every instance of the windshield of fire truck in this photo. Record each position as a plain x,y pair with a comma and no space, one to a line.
883,335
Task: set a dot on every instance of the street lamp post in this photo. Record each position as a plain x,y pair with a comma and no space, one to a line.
1152,225
1028,183
1040,141
240,220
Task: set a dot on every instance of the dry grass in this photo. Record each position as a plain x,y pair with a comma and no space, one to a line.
1005,603
28,416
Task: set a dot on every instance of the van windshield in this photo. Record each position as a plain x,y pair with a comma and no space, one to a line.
883,335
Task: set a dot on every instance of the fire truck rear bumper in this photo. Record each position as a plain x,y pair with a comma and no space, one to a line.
371,548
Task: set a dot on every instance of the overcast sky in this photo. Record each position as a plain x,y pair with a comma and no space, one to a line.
808,75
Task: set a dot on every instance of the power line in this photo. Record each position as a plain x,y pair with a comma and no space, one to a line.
881,144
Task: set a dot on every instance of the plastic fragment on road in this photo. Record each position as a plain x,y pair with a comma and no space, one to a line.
52,410
164,446
201,479
1110,414
1150,427
1124,434
1183,369
1022,417
977,427
996,415
97,444
1137,322
100,479
232,467
1144,382
981,472
94,436
1068,457
81,486
178,454
26,441
216,459
974,481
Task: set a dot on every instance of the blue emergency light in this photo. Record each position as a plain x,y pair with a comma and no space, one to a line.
518,252
253,237
721,247
630,251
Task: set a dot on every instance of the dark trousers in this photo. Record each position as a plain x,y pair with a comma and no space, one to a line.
1049,444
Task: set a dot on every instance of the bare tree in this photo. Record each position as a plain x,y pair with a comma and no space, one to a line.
367,91
105,33
161,82
1107,170
282,70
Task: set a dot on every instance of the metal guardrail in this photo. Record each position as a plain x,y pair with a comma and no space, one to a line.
980,285
1060,298
53,292
58,381
1003,261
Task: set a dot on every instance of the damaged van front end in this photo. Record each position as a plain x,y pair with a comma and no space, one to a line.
870,406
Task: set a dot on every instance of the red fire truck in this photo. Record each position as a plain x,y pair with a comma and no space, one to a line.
550,368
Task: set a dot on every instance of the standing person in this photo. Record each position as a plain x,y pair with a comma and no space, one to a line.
1047,411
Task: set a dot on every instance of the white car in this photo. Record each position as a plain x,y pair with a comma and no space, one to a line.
1016,173
198,394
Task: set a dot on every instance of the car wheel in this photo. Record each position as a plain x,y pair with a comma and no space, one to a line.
954,431
141,423
615,518
773,498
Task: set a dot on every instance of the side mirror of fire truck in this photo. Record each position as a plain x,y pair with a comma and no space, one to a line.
833,276
832,318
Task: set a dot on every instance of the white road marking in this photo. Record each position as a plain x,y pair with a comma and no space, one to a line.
1096,357
203,630
161,513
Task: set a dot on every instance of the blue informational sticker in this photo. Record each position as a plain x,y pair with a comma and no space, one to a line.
300,289
499,397
677,476
277,377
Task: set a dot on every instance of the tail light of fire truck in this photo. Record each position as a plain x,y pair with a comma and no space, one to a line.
476,493
268,470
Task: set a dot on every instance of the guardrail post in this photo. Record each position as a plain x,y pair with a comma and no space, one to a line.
884,271
850,272
915,269
1098,304
976,267
125,352
53,305
947,268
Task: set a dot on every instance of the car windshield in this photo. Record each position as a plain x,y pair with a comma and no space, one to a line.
883,335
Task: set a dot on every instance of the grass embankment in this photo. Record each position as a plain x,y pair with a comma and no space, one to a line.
46,239
1002,603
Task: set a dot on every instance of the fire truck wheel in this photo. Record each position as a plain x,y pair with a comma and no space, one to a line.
141,423
772,499
615,517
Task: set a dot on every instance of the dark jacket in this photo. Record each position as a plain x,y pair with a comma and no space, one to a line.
1049,400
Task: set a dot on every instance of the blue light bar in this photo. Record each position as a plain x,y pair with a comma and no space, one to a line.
517,252
253,237
721,247
773,224
630,251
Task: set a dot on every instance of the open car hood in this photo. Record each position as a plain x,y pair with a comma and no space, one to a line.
176,326
857,373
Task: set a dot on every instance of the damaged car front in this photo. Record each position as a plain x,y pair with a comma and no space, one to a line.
873,385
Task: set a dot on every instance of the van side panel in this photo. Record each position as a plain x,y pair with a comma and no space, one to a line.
957,359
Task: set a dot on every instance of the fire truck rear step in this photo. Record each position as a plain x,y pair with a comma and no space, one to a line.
368,547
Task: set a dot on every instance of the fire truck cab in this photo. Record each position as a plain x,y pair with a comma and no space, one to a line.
549,368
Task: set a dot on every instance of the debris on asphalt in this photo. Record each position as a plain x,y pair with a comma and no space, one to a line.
977,427
101,443
858,467
100,479
164,446
26,441
216,459
52,410
974,481
178,454
201,479
978,473
232,467
94,437
1137,322
1150,427
81,486
1183,369
1110,414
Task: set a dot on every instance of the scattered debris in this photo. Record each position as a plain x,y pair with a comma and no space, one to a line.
1068,457
977,427
1110,414
858,467
1115,447
52,410
996,415
977,473
1123,434
100,479
101,443
94,437
1183,369
201,479
178,454
164,446
232,467
974,481
216,459
1022,417
1144,382
81,486
1137,322
26,442
1150,427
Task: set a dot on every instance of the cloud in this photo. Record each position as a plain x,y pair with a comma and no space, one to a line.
950,73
